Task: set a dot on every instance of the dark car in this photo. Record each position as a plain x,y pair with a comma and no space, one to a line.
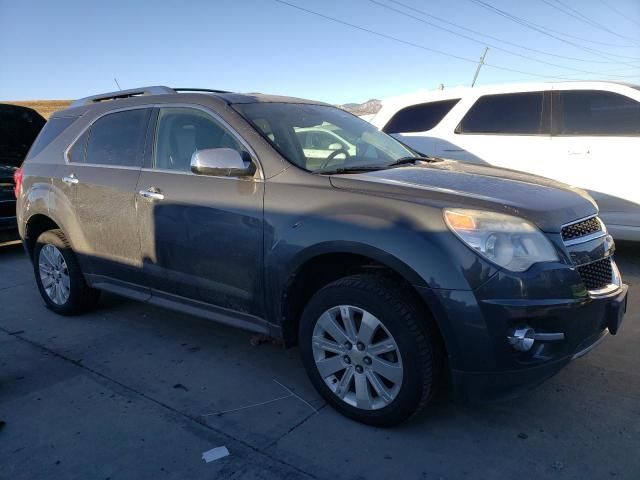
393,272
19,126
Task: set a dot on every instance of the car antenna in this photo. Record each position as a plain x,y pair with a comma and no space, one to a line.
116,80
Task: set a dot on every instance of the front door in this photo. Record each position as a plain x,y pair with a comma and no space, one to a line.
104,166
201,236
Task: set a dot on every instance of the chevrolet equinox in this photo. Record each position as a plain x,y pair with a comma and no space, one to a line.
395,273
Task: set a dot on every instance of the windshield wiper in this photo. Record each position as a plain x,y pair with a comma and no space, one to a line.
409,160
353,169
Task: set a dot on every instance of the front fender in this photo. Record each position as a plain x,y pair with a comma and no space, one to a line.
414,242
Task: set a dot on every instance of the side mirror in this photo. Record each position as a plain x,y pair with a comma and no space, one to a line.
222,162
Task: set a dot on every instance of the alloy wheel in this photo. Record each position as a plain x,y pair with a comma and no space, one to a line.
357,357
54,274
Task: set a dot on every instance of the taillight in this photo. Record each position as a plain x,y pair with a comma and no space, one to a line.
17,181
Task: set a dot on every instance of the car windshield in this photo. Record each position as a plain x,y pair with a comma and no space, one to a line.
323,139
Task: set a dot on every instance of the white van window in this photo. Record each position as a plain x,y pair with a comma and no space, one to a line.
419,118
510,113
591,112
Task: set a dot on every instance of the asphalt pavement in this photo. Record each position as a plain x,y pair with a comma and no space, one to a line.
132,391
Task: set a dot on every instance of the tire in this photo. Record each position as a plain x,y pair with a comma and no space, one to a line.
409,372
71,295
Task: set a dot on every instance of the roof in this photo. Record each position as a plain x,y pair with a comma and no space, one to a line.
151,91
426,96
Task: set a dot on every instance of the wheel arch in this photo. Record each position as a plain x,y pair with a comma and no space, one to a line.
322,265
35,226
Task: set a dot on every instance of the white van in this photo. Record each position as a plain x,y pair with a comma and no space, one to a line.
585,134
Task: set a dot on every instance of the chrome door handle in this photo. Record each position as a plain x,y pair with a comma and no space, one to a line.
70,179
151,194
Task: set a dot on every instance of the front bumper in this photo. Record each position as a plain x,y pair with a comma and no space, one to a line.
475,325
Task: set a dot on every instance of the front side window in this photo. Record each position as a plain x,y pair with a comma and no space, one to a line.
117,139
419,118
511,114
346,141
591,112
181,132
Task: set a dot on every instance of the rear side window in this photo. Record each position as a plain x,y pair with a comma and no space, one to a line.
51,130
419,118
593,112
515,114
117,138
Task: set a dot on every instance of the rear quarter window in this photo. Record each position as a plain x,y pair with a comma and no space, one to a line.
419,118
51,130
591,112
76,153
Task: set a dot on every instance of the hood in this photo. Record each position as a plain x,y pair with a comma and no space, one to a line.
19,127
544,202
6,183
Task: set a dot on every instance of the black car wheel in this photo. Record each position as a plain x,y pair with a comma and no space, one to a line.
58,275
370,349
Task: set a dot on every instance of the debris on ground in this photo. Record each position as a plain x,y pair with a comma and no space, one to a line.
215,454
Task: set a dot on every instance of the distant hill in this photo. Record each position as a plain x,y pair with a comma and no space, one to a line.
367,108
44,107
47,107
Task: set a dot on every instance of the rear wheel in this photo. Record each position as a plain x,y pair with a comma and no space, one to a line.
369,349
59,277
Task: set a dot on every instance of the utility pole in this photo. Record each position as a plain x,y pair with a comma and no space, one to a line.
475,77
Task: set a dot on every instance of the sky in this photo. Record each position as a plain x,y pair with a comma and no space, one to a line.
68,49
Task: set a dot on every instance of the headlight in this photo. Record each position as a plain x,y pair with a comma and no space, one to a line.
510,242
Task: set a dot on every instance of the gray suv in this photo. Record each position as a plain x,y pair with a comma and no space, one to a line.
395,273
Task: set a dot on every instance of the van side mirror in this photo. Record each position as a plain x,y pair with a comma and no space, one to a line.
222,162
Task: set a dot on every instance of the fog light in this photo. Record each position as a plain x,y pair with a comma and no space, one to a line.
522,339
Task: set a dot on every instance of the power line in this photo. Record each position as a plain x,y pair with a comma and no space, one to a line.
573,13
524,47
549,32
412,44
496,47
614,9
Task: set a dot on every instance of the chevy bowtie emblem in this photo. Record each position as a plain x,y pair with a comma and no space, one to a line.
609,245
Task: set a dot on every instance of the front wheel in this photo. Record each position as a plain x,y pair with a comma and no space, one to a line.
59,277
369,349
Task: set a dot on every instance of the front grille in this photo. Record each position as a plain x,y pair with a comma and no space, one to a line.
581,229
597,275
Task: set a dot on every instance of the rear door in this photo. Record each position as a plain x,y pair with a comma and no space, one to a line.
201,235
103,169
510,130
597,139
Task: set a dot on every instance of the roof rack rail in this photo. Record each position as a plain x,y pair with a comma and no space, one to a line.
134,92
206,90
